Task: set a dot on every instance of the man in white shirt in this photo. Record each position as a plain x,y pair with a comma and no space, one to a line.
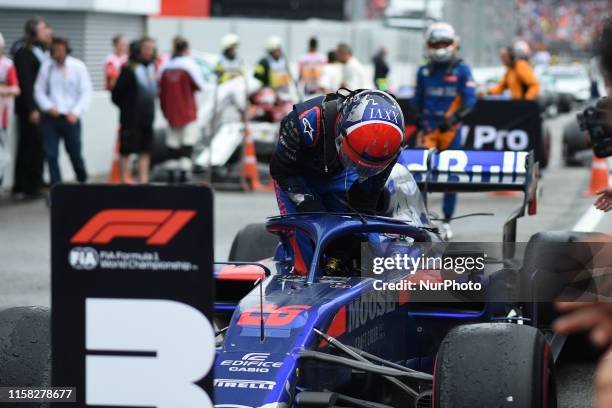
331,74
62,92
353,73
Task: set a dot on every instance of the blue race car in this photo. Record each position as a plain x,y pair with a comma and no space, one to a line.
348,334
335,338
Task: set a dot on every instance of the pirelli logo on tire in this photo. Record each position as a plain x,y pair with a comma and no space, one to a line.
158,227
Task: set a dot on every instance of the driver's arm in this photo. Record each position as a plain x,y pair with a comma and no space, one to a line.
364,196
286,166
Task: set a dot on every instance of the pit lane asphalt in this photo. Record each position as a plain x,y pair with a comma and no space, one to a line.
25,246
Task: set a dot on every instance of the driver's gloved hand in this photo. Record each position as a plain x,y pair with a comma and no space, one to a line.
445,125
309,204
362,200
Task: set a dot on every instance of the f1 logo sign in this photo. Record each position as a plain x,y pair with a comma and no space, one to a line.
157,226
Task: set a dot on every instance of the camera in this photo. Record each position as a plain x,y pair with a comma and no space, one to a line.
596,120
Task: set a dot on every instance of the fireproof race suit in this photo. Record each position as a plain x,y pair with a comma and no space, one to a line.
308,173
445,93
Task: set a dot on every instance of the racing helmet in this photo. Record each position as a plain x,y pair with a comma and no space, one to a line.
229,41
441,41
369,132
274,42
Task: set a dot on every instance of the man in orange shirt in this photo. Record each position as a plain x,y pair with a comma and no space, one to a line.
519,78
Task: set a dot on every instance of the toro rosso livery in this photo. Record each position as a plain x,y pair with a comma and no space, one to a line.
329,338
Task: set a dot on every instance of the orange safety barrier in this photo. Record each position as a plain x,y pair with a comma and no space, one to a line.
114,176
599,176
249,165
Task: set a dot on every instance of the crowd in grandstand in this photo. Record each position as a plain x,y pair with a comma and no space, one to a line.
558,22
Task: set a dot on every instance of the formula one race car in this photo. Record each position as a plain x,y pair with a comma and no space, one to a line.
334,338
345,334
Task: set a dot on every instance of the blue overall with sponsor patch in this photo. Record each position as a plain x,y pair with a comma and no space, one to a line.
440,90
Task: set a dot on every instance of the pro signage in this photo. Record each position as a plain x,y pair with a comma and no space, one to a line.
504,125
132,294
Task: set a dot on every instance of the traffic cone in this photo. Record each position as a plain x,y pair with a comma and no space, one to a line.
114,176
599,176
249,165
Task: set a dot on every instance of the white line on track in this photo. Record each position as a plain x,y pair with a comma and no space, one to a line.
589,220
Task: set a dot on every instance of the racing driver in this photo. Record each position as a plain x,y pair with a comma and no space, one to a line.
445,93
334,154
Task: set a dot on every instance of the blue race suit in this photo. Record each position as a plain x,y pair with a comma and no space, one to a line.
309,176
445,93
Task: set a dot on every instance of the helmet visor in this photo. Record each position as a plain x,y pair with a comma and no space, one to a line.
362,167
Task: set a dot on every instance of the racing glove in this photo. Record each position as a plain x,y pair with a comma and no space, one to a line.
363,200
447,123
307,203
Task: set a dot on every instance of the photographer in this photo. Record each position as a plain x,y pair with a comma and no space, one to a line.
597,120
596,317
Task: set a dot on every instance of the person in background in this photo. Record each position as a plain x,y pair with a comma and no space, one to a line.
445,93
134,94
331,74
28,57
310,66
519,79
598,87
353,73
180,79
9,88
114,62
541,58
230,65
334,154
273,70
381,69
596,317
63,92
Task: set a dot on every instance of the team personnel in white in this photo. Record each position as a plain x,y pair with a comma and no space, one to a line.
353,73
273,69
230,65
180,79
62,91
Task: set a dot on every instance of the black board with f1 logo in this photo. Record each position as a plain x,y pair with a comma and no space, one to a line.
132,294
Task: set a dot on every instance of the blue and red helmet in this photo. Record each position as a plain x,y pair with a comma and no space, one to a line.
369,132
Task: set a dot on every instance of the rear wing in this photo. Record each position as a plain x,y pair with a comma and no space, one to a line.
476,171
469,170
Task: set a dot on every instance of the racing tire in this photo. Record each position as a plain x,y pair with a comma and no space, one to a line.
253,243
25,348
159,150
546,148
494,365
553,261
574,141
